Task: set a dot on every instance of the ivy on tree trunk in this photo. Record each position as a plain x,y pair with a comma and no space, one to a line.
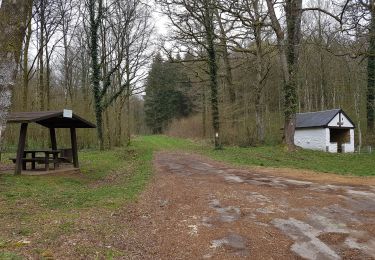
95,66
289,56
213,69
371,74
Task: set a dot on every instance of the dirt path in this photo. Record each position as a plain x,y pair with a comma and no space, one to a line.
197,208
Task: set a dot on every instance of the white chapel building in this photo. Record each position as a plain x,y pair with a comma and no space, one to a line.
330,131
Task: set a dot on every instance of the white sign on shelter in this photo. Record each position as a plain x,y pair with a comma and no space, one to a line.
68,113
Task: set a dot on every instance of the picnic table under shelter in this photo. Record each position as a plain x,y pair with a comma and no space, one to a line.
52,120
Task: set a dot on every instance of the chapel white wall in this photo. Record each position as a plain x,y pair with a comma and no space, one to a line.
350,147
311,138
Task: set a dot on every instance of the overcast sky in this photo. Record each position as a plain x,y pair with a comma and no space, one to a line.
161,21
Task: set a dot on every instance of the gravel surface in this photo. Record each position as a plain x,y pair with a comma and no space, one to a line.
196,208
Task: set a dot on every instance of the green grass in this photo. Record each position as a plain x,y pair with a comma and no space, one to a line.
129,167
344,164
273,156
9,256
109,180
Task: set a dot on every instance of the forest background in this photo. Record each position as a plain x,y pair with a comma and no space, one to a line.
136,68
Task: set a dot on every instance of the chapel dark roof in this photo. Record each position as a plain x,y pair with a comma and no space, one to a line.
316,119
51,119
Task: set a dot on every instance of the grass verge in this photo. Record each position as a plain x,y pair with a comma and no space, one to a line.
274,156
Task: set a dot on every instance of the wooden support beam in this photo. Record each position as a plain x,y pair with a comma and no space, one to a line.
73,137
21,148
33,165
52,133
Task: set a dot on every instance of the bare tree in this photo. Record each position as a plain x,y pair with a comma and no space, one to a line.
195,24
131,26
289,54
69,22
114,50
47,22
361,22
25,68
253,17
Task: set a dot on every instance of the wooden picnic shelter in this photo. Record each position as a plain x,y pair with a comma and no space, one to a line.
51,119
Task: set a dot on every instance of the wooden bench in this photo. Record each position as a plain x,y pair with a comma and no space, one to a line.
66,155
39,160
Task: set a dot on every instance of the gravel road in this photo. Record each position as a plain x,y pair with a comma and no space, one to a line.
197,208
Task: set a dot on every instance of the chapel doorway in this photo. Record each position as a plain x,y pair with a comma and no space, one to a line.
339,136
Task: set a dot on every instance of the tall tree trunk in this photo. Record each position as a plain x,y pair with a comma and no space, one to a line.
128,124
227,65
289,55
213,71
13,23
213,68
85,80
96,89
25,92
214,95
66,63
204,113
48,78
41,56
321,61
119,120
108,129
371,75
357,104
259,102
293,15
99,126
120,114
95,66
128,94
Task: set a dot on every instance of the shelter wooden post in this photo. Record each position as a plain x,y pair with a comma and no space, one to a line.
52,133
21,148
73,137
